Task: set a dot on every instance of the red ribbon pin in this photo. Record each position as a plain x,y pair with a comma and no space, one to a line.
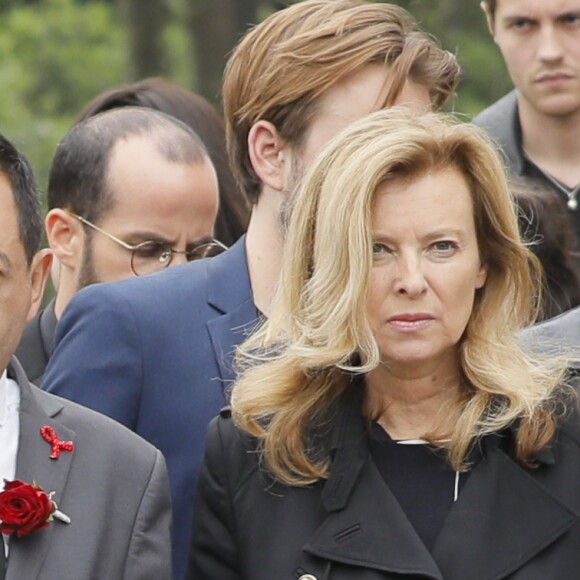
56,445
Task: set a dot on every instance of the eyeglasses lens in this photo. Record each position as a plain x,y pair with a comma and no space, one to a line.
150,257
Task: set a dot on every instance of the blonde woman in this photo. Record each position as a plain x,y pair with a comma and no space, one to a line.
386,424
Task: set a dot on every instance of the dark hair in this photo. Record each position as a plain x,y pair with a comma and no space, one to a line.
23,184
545,226
193,110
491,5
77,179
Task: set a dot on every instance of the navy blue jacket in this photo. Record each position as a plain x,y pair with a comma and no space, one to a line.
155,353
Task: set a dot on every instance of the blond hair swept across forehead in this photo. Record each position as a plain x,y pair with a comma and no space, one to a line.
282,66
330,238
318,333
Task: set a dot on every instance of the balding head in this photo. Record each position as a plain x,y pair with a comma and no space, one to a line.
78,176
121,179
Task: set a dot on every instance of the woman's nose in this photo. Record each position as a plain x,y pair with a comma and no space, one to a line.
410,278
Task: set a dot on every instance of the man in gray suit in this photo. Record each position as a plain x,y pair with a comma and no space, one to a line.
113,518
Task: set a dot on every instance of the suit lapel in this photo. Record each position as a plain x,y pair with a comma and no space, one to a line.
502,519
230,294
227,332
34,464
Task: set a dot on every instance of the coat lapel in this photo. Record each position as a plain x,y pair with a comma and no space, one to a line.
230,294
34,464
373,534
502,519
358,531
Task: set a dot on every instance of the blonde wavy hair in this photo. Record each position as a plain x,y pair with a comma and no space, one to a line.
303,358
282,66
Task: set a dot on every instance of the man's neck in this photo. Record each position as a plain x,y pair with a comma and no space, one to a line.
264,245
552,143
67,288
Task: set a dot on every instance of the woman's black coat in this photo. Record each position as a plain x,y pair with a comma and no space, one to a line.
508,522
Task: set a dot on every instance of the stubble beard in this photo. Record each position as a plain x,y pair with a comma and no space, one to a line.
87,275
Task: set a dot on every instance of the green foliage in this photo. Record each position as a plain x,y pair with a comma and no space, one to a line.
54,57
180,46
485,78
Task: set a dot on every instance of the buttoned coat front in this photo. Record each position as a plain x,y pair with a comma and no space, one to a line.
509,522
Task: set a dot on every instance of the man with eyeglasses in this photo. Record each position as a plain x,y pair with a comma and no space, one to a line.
131,192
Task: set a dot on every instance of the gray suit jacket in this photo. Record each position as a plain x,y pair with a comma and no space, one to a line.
113,486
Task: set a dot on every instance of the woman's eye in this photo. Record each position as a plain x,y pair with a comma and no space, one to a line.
379,249
444,246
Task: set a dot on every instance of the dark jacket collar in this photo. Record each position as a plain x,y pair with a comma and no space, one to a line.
491,529
37,343
502,122
48,322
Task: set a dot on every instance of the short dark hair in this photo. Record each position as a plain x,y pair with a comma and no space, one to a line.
545,225
19,172
78,176
163,95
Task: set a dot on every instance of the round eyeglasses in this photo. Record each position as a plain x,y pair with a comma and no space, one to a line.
151,256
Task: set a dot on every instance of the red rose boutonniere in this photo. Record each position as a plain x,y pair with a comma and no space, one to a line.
25,508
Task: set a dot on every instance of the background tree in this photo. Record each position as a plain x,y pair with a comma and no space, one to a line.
214,28
145,22
55,55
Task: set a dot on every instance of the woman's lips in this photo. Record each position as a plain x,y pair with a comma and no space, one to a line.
410,322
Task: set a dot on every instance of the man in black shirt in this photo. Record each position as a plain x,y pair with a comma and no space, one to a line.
538,124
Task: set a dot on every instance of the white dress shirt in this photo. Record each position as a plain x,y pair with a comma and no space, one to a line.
9,431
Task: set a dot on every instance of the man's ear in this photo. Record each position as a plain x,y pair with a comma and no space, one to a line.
488,16
267,153
39,271
65,236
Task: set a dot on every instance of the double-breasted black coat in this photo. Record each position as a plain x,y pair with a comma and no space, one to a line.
509,521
